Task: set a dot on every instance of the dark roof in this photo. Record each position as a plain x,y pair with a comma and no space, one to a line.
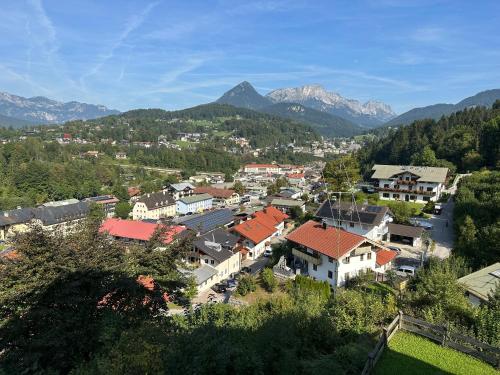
210,220
217,244
405,230
364,213
47,215
157,200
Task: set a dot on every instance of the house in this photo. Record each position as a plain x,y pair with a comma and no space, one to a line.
286,205
133,192
296,179
405,233
53,217
332,254
383,262
222,197
256,233
182,189
218,250
193,203
91,154
261,168
209,221
481,284
290,192
363,219
198,179
409,183
120,156
153,206
140,232
107,202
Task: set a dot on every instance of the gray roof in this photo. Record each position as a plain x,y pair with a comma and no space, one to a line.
427,174
157,200
405,230
195,198
217,244
47,215
287,202
182,186
204,273
364,213
209,221
482,283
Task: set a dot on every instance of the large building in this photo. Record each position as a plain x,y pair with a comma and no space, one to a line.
222,197
194,203
366,220
107,202
331,254
154,206
272,169
52,217
209,221
182,189
409,183
139,232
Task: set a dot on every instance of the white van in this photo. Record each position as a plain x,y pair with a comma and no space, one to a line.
406,271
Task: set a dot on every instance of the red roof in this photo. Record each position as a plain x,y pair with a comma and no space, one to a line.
255,230
137,230
295,175
214,192
332,242
262,166
133,191
385,256
270,216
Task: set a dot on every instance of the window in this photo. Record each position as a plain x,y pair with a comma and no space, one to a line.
347,260
369,256
407,178
315,267
427,199
212,261
412,197
351,225
206,261
429,189
330,274
421,188
362,257
386,185
395,196
385,195
330,259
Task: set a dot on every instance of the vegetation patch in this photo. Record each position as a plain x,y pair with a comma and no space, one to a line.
411,354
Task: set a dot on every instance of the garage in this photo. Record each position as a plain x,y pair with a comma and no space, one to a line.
406,234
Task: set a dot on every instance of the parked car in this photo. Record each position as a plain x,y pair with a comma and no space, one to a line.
406,271
394,248
421,223
219,288
268,253
246,270
438,209
232,283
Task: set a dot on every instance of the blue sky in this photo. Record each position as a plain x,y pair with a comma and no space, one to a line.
176,54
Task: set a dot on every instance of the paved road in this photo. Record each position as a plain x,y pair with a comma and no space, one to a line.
442,233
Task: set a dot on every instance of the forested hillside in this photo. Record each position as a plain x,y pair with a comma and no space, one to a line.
465,141
212,119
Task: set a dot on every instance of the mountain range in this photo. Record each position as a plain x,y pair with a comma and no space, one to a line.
18,111
436,111
347,113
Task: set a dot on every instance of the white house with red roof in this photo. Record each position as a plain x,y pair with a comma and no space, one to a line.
256,233
384,260
332,254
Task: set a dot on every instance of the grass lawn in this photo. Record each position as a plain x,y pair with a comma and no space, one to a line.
417,206
260,293
412,354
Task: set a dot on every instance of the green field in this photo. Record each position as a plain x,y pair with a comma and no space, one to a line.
411,354
417,206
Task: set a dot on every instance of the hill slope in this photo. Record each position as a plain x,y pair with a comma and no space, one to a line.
7,121
324,123
42,110
244,95
484,98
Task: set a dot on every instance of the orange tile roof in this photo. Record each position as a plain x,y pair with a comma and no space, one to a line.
385,256
295,175
255,230
332,242
270,216
214,192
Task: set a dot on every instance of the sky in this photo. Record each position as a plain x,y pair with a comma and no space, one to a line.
129,54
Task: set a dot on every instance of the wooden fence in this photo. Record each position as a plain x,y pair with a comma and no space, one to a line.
439,334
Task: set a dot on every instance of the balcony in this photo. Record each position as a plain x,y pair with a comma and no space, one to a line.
406,182
406,191
310,258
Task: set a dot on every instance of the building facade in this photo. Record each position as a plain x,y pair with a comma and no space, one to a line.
154,206
194,203
409,183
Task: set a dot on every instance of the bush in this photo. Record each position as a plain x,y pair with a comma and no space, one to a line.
304,284
269,280
246,285
429,207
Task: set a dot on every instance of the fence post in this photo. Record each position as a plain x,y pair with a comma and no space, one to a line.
400,322
370,360
385,336
445,334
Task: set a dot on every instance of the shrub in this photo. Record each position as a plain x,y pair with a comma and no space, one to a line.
269,280
246,285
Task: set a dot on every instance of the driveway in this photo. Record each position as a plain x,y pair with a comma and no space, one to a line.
255,265
442,232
